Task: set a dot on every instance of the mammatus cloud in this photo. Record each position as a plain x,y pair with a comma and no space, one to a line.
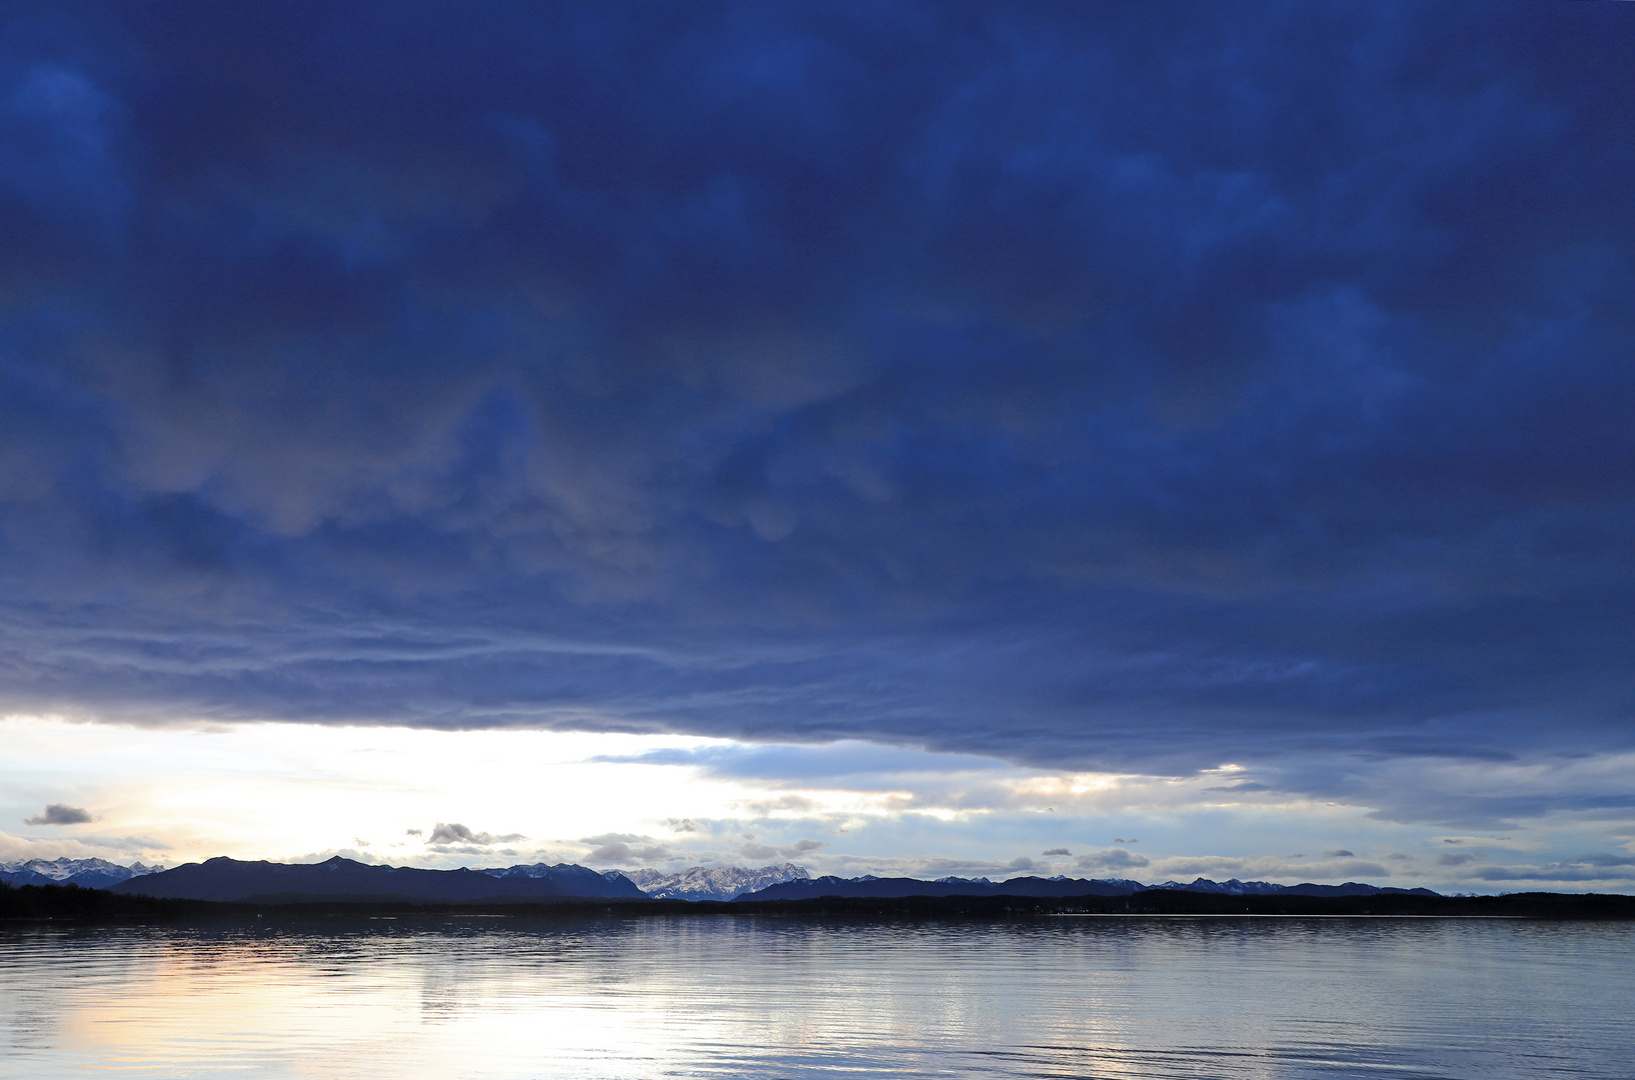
60,814
456,833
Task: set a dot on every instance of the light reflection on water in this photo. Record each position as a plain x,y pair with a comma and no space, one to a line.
765,997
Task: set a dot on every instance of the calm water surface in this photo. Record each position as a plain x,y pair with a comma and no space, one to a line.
764,997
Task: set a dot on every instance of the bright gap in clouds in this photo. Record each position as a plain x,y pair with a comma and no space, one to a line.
301,792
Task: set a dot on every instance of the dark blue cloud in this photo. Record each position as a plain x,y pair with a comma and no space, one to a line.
1110,385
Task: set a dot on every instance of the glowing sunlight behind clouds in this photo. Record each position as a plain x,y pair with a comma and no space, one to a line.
494,798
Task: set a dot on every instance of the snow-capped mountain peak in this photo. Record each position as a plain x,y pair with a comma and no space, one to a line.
91,873
713,882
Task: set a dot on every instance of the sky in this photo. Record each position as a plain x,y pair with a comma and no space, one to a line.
1116,440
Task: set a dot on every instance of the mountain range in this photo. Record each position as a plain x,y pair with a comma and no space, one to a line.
344,879
1234,887
86,873
340,879
574,880
892,888
713,883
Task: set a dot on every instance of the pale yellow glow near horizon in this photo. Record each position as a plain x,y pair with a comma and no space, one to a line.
284,791
287,791
303,792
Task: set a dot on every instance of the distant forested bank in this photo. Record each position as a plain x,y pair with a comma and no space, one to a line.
73,903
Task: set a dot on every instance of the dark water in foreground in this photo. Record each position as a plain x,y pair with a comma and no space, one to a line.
766,997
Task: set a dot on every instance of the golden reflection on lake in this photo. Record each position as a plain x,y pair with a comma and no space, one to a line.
753,997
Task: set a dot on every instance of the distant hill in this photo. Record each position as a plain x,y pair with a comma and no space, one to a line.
86,873
575,880
98,905
1234,887
713,883
344,879
900,887
891,888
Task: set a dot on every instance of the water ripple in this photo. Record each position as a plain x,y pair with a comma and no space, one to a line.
752,997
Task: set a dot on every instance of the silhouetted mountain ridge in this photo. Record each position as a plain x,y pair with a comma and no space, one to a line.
1234,887
226,879
888,887
345,879
891,888
574,879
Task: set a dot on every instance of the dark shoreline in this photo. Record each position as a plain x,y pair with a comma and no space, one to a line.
70,903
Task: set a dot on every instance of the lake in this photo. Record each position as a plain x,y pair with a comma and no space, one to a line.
750,996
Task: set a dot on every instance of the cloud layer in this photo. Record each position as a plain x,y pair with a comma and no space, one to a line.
1101,387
